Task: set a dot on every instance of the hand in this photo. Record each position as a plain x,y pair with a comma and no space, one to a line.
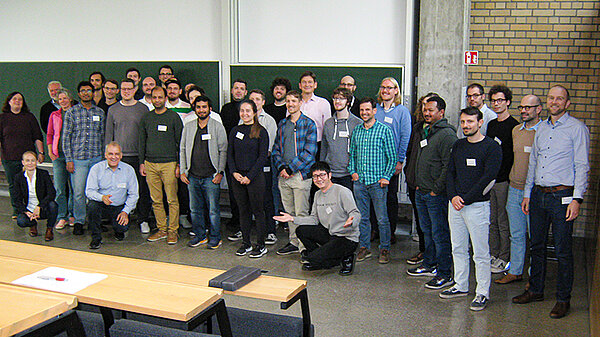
123,219
36,212
237,177
348,222
245,181
354,176
30,216
432,194
177,172
142,170
52,156
70,166
458,203
284,217
184,179
40,158
525,206
106,199
398,168
217,179
284,174
573,210
383,182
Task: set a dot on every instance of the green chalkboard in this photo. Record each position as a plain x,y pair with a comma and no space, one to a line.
31,78
328,78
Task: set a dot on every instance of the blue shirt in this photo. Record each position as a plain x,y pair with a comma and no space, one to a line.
559,156
399,120
121,183
83,133
372,153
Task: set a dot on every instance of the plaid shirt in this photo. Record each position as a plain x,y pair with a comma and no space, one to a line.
306,145
372,153
83,133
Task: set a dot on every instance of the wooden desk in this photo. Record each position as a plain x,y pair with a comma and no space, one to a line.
23,308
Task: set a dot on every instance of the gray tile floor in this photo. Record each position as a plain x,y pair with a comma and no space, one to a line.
378,300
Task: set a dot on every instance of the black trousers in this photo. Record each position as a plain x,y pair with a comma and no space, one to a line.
324,250
345,181
269,207
411,196
96,211
250,200
234,224
144,204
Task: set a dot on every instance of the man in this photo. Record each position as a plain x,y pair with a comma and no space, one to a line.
474,163
432,157
147,85
134,74
194,92
159,137
83,136
372,161
522,136
164,74
202,157
174,103
110,88
475,99
349,83
330,233
500,130
293,154
279,88
97,79
52,105
113,192
396,116
556,183
337,131
314,107
123,127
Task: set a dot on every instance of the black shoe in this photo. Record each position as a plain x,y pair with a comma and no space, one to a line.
288,249
347,265
310,267
393,239
104,229
95,244
304,256
78,229
119,236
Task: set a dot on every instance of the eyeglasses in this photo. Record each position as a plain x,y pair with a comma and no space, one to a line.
339,99
166,74
319,175
109,88
527,107
386,88
499,100
85,91
474,96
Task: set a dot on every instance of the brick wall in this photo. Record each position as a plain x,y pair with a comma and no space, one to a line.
531,45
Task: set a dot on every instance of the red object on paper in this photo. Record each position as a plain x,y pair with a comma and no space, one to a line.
471,57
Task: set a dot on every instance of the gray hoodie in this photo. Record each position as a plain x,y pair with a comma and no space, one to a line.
335,144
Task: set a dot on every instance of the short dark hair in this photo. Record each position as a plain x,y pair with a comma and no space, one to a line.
196,88
113,81
476,85
239,80
441,104
258,91
128,80
173,80
166,66
102,78
294,93
158,87
368,100
202,98
500,88
281,81
6,106
344,92
320,166
472,111
85,84
308,73
132,69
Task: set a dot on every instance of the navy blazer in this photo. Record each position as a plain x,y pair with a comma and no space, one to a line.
44,190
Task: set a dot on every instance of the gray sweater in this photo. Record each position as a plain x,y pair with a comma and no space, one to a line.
123,126
335,143
217,145
331,209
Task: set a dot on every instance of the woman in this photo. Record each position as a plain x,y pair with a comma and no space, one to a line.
61,175
19,132
246,155
34,195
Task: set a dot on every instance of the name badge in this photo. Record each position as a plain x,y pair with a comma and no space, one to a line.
239,135
162,128
566,200
471,162
328,210
121,185
267,169
424,143
96,118
388,120
527,149
498,140
206,137
344,134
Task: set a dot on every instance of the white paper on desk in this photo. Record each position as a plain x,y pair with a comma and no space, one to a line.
74,281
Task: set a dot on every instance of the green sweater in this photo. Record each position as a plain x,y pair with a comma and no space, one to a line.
160,135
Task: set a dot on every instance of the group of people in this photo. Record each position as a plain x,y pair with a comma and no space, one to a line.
326,168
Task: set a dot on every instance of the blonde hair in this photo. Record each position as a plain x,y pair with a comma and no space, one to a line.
398,98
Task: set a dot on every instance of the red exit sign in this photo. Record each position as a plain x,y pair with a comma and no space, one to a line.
471,57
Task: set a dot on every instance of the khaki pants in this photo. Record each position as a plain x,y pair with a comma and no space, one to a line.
294,197
157,175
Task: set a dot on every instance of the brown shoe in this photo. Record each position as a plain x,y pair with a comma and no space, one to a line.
49,234
363,254
527,297
172,238
33,231
159,235
384,256
417,259
509,278
560,310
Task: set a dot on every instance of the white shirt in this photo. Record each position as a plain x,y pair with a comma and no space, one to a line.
148,104
33,200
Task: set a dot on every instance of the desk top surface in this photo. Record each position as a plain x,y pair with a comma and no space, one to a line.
264,287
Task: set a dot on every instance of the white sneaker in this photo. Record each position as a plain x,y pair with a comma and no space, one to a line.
144,227
183,222
500,267
271,239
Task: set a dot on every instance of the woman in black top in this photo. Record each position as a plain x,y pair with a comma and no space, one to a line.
246,156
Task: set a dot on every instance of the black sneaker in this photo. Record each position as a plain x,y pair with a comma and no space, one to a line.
235,237
421,271
258,251
453,293
244,249
303,256
439,282
479,303
271,239
288,249
95,244
78,229
119,236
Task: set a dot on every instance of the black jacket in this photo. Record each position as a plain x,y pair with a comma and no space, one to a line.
433,157
44,190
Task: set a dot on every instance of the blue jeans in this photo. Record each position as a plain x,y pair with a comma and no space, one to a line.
63,188
519,222
363,194
204,192
546,208
78,181
48,212
433,214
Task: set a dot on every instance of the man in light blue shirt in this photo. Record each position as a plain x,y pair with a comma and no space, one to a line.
112,188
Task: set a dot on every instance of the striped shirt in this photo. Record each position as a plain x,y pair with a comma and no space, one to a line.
83,133
372,153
